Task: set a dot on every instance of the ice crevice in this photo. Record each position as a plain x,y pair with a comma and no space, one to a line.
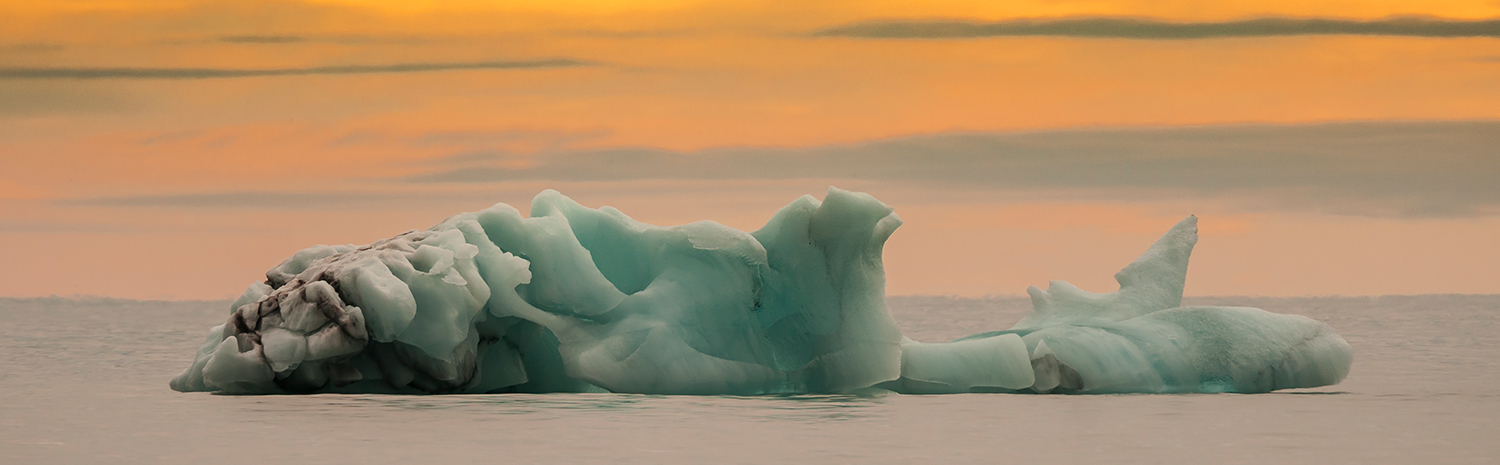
574,299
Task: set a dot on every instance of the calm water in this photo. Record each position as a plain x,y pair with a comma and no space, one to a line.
86,382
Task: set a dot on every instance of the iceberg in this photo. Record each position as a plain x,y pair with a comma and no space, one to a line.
574,299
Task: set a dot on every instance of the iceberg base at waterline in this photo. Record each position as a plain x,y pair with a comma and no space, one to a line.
573,299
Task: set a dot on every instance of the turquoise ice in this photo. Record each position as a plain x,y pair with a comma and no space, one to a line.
573,299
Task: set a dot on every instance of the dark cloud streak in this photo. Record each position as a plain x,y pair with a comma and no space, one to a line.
282,39
34,47
261,39
1151,29
1381,169
219,73
280,200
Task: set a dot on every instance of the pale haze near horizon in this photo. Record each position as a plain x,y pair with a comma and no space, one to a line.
1318,164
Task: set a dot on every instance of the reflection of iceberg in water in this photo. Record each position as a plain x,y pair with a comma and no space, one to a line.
574,299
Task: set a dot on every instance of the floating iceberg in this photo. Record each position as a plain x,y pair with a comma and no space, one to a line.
574,299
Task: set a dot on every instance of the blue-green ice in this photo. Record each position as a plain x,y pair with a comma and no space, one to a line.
573,299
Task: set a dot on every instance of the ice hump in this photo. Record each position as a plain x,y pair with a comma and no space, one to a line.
573,299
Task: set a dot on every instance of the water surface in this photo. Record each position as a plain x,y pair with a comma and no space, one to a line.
85,381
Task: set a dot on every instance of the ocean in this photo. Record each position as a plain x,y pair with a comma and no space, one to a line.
85,381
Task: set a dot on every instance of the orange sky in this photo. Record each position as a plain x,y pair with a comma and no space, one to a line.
93,172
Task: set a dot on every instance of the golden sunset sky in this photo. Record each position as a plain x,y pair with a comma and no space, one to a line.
178,149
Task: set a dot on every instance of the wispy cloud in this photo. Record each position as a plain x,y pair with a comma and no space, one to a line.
369,198
549,138
33,47
271,200
382,198
261,39
218,73
59,227
630,34
49,98
282,39
509,141
1383,169
1143,28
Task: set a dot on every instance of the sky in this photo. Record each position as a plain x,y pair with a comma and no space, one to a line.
178,149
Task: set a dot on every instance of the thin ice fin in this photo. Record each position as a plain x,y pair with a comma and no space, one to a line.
1160,274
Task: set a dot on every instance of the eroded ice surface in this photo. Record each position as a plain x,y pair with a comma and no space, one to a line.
574,299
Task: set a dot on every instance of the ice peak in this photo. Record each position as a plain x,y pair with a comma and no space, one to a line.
1154,281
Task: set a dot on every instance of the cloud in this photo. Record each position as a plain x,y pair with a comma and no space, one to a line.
33,47
1153,29
280,39
371,198
57,227
44,98
216,73
1418,169
1381,169
531,140
368,199
261,39
631,34
271,200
